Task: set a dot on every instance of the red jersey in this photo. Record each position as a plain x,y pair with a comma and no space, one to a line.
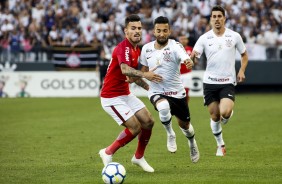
183,68
114,82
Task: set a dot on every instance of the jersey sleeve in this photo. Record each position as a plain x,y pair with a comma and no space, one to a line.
181,52
143,60
199,47
123,54
240,46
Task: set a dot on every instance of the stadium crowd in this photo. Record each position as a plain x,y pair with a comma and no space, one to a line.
34,26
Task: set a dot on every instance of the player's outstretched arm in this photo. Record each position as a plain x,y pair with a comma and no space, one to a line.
131,72
244,62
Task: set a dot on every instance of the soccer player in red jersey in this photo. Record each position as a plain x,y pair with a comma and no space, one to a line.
116,99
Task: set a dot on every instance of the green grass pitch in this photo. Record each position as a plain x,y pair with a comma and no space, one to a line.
56,140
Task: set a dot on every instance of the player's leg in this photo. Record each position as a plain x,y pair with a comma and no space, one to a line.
227,98
211,98
163,107
146,121
123,115
182,113
226,109
216,127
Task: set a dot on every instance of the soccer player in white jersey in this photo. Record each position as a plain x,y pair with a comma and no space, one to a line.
164,56
220,45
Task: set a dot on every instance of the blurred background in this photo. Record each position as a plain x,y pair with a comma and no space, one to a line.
79,35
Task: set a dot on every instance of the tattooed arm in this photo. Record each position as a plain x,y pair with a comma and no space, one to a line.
131,72
140,82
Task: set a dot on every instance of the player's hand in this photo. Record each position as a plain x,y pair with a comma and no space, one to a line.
241,76
151,76
189,64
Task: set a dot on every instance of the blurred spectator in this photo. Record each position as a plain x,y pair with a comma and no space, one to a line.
15,46
54,37
38,45
7,26
4,43
38,13
26,45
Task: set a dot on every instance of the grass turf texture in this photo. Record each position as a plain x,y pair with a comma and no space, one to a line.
56,140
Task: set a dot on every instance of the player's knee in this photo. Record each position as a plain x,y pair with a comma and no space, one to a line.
164,111
215,117
149,123
226,113
136,129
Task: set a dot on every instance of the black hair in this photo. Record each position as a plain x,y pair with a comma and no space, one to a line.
218,8
131,18
161,20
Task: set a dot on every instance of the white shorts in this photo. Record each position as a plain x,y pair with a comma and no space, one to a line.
122,108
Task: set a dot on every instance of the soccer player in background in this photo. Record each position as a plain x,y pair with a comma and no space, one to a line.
184,71
116,99
220,45
164,56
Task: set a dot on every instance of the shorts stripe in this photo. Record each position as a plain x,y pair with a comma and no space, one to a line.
117,113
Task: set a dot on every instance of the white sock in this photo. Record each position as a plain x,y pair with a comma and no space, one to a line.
217,132
169,129
189,133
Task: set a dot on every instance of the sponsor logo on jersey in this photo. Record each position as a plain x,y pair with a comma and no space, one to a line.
228,35
169,93
210,37
149,50
218,79
127,54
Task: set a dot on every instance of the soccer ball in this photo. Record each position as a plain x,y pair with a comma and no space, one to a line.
113,173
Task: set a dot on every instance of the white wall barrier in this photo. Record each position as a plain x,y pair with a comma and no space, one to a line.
71,84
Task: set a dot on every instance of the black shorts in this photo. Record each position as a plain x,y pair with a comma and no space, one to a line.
215,92
178,107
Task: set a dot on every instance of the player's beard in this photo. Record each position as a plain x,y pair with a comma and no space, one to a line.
135,40
162,41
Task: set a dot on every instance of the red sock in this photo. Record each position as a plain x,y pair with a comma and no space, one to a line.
187,94
143,139
124,137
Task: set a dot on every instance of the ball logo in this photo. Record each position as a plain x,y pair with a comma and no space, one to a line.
73,60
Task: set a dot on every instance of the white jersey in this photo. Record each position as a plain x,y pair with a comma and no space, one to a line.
167,63
220,52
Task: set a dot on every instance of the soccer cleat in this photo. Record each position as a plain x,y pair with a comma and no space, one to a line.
224,121
171,143
142,163
105,157
221,151
194,152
